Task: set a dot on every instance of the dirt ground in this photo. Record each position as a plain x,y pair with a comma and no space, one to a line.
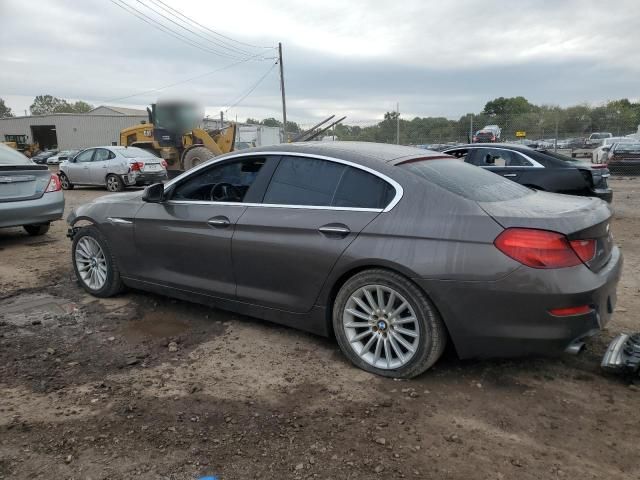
142,386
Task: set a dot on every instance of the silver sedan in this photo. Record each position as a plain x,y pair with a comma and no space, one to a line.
113,167
30,195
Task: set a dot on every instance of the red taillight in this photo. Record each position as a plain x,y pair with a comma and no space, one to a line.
585,249
164,164
544,249
599,165
136,166
568,311
54,184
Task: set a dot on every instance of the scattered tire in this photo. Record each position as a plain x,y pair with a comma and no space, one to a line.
94,264
196,156
114,183
386,325
65,182
35,230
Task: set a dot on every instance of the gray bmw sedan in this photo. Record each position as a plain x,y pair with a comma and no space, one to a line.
393,250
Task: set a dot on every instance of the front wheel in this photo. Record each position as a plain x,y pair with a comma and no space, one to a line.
65,183
386,325
94,264
114,183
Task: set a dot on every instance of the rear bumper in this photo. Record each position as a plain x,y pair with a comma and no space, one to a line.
141,178
510,317
45,209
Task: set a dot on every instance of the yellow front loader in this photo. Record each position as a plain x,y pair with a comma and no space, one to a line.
180,144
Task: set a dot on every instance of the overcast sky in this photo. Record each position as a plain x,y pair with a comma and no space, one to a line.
355,58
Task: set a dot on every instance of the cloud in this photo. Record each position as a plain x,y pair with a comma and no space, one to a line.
356,58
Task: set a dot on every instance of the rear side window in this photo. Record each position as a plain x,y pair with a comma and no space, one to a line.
467,180
360,189
316,182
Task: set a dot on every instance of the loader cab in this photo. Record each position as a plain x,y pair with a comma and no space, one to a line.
172,120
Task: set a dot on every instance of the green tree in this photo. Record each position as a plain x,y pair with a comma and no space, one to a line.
45,104
4,110
509,106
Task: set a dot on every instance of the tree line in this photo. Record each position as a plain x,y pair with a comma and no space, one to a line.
46,104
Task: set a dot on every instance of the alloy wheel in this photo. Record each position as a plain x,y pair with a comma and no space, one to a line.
112,184
381,326
91,263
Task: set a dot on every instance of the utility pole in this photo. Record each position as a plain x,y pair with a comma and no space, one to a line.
221,119
398,124
470,127
284,103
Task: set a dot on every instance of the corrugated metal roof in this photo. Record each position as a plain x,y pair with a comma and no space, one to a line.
118,110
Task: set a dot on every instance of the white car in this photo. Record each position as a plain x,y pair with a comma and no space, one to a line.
113,167
601,153
61,156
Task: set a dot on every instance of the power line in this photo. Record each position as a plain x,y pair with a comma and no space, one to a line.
207,28
158,25
182,81
218,44
252,88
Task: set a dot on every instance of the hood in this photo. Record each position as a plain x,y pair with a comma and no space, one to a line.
566,214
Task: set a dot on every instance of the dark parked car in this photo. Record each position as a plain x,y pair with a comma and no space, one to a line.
41,158
624,158
392,249
539,169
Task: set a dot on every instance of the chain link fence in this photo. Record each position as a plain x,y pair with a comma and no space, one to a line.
613,140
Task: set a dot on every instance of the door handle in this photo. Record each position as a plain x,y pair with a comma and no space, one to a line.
509,175
219,222
335,230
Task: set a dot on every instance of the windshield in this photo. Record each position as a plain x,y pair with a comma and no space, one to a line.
627,148
135,152
9,156
597,136
468,181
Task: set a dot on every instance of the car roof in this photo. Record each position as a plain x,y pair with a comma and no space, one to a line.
365,153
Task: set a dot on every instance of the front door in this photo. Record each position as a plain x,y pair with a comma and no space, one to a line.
284,249
185,241
78,171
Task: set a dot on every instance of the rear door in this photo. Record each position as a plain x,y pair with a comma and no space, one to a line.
99,166
285,247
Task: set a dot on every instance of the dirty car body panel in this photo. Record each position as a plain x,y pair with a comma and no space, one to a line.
253,252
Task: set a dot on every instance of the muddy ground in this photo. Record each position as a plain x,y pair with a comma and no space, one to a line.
142,386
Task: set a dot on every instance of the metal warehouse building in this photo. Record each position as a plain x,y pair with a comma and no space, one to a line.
65,131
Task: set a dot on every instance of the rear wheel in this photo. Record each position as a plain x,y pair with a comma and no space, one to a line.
94,263
65,182
35,230
196,156
386,325
114,183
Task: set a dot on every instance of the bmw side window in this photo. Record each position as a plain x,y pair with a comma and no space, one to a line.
360,189
494,157
85,156
228,182
304,181
518,160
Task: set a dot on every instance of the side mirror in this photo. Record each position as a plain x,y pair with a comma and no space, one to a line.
154,193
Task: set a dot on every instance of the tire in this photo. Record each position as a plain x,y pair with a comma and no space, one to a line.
428,334
196,156
65,183
114,183
83,254
36,230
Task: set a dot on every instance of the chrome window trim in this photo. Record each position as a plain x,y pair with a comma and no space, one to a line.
396,199
535,164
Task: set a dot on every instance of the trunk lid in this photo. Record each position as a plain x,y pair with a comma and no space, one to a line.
576,217
148,165
23,182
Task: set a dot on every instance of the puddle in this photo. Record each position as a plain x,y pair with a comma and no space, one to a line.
24,309
156,324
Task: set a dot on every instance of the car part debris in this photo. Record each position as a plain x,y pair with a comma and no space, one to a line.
623,354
